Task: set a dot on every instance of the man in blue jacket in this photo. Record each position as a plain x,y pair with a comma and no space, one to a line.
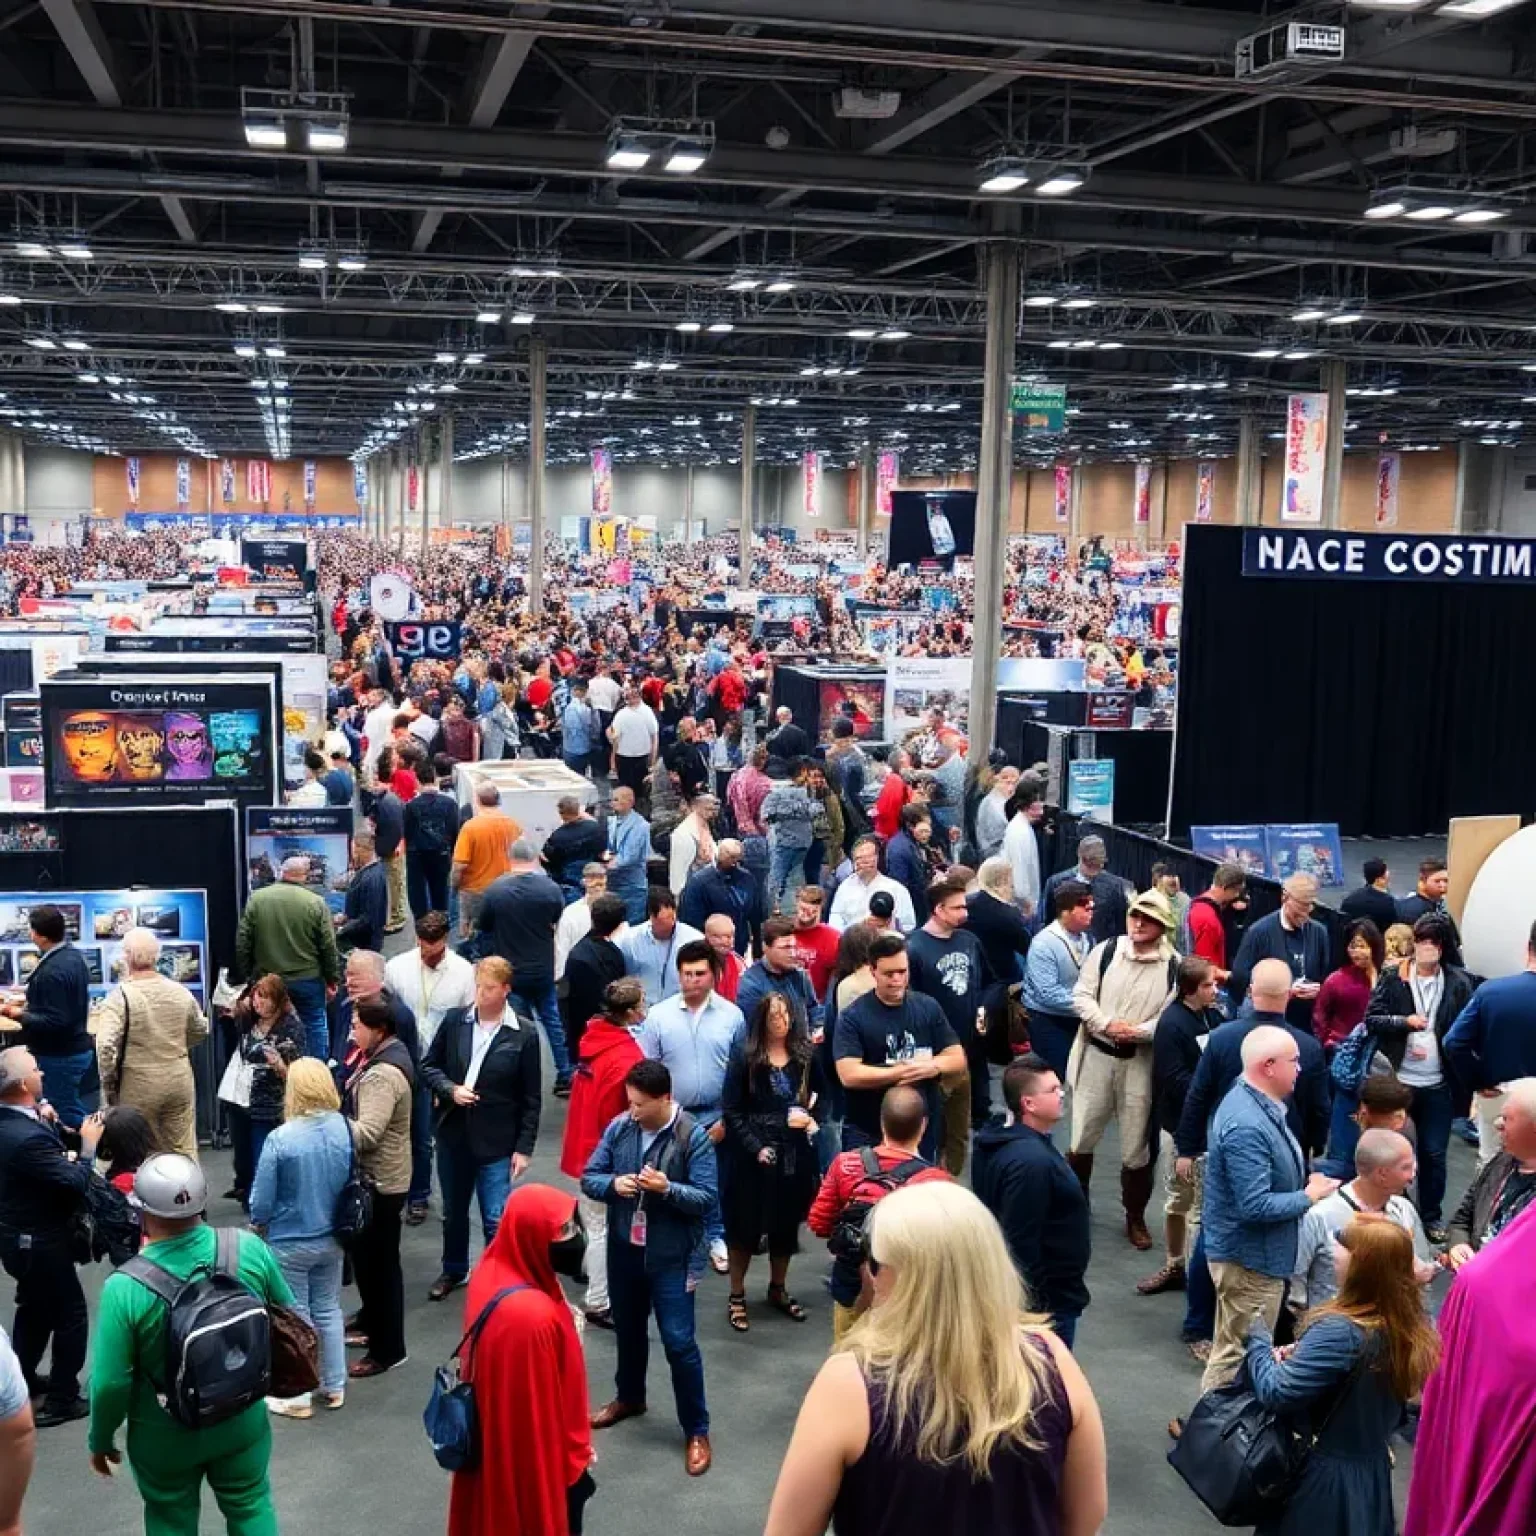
726,887
1256,1192
780,971
1493,1042
1293,935
1221,1064
1025,1182
655,1171
905,862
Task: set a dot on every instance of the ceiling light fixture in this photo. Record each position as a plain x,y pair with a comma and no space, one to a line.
744,283
232,307
1003,173
313,261
779,285
33,250
688,327
1063,182
1295,357
1079,303
1343,317
721,328
894,336
1041,301
327,135
1306,315
473,359
688,155
522,317
1429,213
488,317
352,261
42,343
75,344
1480,215
266,132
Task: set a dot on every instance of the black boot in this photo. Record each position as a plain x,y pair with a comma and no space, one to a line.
1081,1163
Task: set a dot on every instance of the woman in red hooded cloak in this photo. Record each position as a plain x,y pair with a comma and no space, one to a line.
529,1377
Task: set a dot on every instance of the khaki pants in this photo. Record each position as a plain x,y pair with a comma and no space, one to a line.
843,1318
1184,1196
1105,1088
395,866
167,1098
956,1099
1240,1295
1485,1112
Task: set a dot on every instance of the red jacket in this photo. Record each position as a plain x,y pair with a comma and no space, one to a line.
1208,936
607,1052
844,1178
888,803
732,968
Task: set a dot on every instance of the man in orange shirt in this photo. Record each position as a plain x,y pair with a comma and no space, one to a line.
482,853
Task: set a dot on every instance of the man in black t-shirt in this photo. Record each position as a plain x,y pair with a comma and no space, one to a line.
948,965
891,1035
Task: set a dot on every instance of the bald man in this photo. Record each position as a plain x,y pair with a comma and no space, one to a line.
1221,1065
728,887
1256,1193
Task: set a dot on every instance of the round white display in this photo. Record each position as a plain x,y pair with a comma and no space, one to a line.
1496,921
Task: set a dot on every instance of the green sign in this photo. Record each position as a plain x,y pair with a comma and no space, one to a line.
1040,407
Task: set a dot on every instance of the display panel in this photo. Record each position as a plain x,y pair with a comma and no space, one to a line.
861,700
158,740
323,834
96,922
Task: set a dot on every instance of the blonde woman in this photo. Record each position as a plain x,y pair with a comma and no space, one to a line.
304,1163
949,1407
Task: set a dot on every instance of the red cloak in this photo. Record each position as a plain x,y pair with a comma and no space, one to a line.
530,1381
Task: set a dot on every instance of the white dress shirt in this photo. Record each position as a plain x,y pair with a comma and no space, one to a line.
486,1031
431,994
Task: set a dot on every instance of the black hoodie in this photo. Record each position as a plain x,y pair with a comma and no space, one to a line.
1026,1183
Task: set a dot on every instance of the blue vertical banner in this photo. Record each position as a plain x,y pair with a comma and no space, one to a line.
1091,788
309,485
360,483
133,482
227,482
183,484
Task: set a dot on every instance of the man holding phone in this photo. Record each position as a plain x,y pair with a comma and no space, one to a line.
1292,934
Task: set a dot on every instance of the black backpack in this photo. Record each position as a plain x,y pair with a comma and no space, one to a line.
218,1338
114,1224
847,1239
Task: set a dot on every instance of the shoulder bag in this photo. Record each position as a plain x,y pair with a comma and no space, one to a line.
354,1205
113,1082
453,1426
1241,1459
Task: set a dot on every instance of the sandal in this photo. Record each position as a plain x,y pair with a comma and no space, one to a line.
781,1301
736,1311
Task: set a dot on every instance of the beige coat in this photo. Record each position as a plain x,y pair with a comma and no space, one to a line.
382,1129
163,1024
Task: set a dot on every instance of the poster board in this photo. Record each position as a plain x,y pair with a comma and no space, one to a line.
1244,846
1091,788
276,559
159,740
915,684
323,834
96,922
1472,839
1305,848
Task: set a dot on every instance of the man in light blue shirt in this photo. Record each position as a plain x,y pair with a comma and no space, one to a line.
651,950
1050,974
694,1033
629,846
578,730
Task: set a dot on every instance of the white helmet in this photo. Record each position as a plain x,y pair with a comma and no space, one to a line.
171,1186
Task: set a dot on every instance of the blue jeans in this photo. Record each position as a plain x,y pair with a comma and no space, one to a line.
1343,1136
633,1294
633,898
1065,1325
312,1268
1199,1295
540,996
308,998
459,1177
1432,1115
64,1080
421,1146
426,882
256,1133
1051,1036
786,874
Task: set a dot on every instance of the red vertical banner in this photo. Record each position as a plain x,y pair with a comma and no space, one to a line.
412,486
1389,474
1142,511
810,486
1063,493
887,473
1205,491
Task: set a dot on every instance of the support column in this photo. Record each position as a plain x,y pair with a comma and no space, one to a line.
866,494
748,475
424,486
994,482
1160,501
687,505
506,490
1250,470
445,489
402,495
1333,444
538,383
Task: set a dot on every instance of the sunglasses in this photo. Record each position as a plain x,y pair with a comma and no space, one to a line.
867,1257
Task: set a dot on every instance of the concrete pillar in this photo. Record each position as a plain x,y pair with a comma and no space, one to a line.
402,495
994,483
506,490
424,478
1333,444
866,496
687,505
445,488
748,470
538,386
1250,470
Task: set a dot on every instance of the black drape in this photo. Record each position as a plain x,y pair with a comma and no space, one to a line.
910,541
1388,707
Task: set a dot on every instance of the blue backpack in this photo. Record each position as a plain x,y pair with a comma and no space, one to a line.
452,1424
1352,1060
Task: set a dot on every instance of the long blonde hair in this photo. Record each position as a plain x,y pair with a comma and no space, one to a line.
945,1344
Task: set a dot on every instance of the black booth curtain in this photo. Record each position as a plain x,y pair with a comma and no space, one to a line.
1388,707
910,540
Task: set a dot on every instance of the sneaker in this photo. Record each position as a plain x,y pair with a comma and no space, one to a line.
443,1286
1435,1231
291,1407
562,1089
331,1400
53,1412
1464,1128
360,1370
1170,1277
1199,1348
415,1215
718,1257
600,1317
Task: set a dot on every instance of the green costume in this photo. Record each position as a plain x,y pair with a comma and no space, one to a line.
169,1462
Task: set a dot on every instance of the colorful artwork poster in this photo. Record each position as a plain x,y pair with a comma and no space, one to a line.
1305,848
320,834
861,700
276,559
1205,491
97,922
1142,510
22,717
887,473
156,742
1389,476
1245,846
916,684
1306,433
602,484
30,834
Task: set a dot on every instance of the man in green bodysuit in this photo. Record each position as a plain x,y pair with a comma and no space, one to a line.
170,1462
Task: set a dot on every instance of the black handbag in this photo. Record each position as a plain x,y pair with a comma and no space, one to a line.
452,1424
354,1205
1241,1459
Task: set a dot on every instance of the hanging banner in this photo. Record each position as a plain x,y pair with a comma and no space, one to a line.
1205,491
887,473
602,482
360,483
309,484
412,486
1143,505
133,482
1039,407
810,484
183,483
1389,474
1306,435
258,481
227,481
1063,493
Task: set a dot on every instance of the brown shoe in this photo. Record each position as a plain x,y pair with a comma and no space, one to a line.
1136,1231
697,1456
1170,1277
615,1413
1175,1428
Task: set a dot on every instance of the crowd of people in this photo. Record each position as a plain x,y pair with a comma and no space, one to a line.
785,984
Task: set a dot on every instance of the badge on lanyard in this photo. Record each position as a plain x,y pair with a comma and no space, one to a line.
637,1224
